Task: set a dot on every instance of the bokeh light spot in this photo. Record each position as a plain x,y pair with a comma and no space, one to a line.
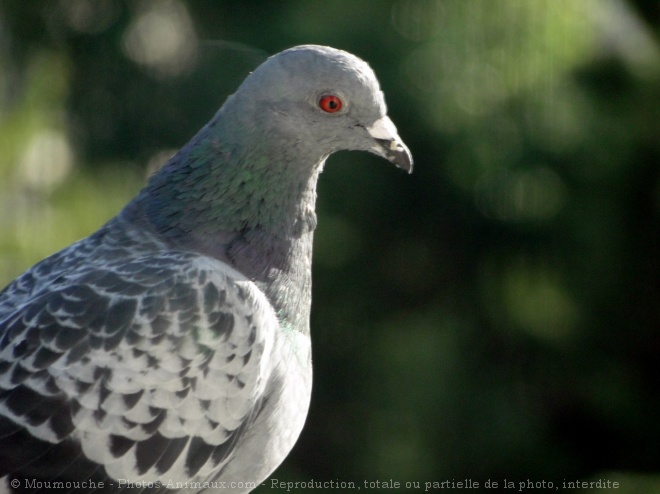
162,38
46,162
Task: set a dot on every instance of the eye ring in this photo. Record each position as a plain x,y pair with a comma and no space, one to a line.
330,103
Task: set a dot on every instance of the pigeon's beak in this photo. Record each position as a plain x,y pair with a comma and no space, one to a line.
389,145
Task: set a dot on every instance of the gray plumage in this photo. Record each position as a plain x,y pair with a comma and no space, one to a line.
172,345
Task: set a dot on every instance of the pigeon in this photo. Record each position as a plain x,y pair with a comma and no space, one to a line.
170,350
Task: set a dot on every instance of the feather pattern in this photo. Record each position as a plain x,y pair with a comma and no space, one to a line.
154,361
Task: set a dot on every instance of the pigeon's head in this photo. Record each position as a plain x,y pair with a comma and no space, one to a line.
325,100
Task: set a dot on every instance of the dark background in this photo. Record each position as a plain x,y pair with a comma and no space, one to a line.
495,315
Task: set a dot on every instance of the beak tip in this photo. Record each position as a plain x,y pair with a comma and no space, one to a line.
389,145
402,158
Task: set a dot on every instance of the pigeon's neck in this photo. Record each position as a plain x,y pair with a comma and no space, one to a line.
232,176
237,173
244,197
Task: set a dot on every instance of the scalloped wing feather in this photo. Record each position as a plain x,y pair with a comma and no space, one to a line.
154,368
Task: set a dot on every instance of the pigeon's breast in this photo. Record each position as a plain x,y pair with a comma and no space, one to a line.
284,410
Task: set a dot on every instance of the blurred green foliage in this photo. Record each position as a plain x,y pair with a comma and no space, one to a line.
494,316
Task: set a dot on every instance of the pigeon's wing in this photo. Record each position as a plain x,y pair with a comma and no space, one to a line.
150,369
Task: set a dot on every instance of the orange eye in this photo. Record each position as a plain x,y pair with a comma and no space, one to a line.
330,103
